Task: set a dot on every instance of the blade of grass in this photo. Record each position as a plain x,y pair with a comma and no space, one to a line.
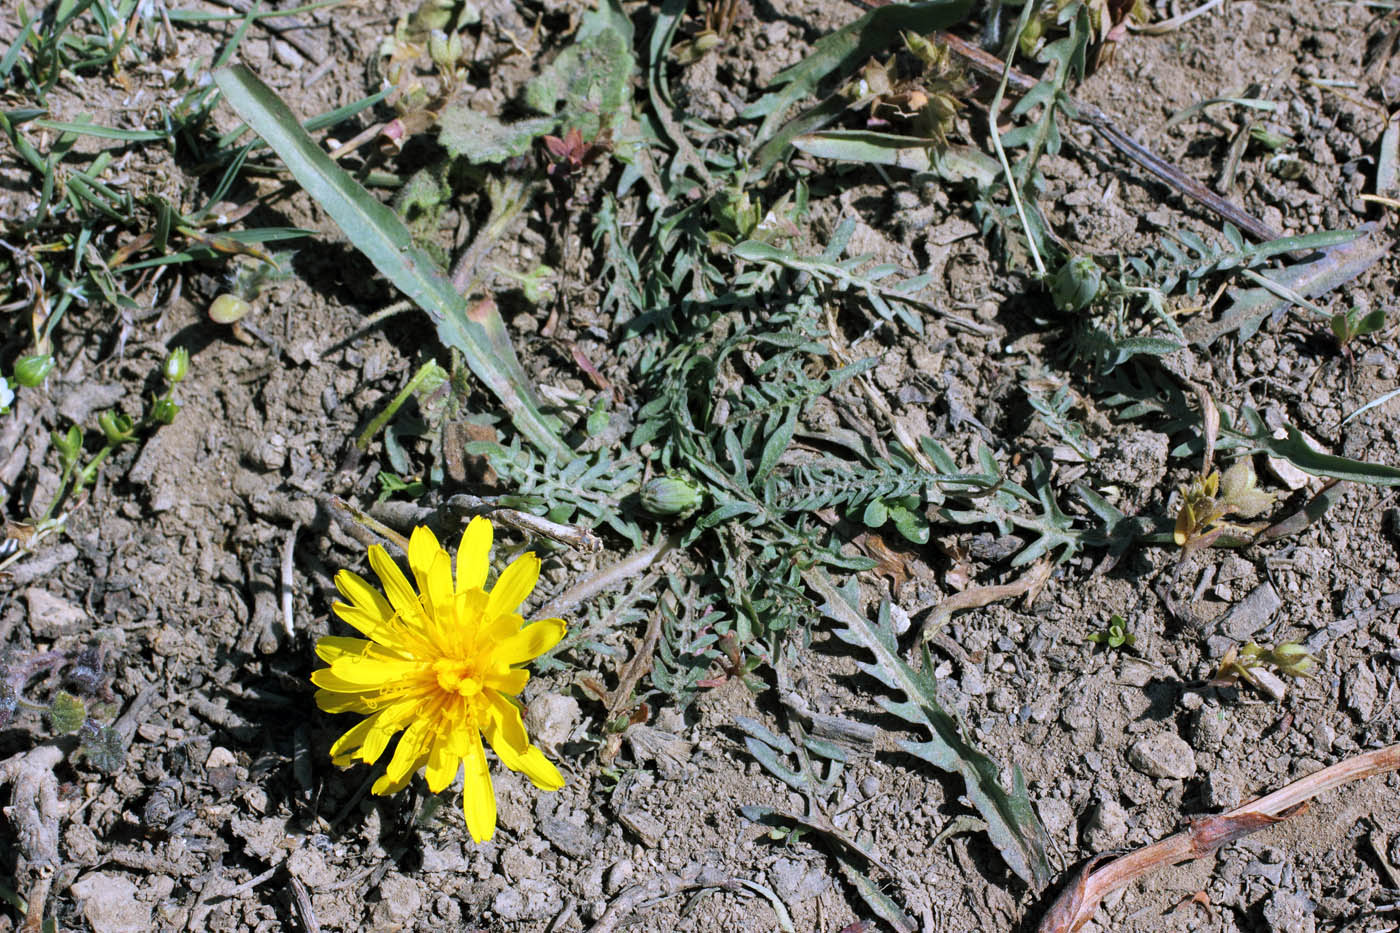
375,230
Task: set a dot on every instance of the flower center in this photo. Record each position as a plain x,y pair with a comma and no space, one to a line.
457,677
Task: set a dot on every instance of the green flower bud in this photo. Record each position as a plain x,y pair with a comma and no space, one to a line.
68,444
1294,659
671,496
32,370
434,14
164,410
1076,284
227,309
117,427
177,364
445,50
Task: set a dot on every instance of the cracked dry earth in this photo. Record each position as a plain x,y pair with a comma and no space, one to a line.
227,815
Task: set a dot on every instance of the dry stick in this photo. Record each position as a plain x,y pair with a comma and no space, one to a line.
606,579
1076,904
287,28
977,596
288,553
989,65
635,669
34,811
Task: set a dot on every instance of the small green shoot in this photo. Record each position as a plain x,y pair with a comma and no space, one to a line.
1115,635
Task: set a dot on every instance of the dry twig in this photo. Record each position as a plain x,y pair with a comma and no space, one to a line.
1104,874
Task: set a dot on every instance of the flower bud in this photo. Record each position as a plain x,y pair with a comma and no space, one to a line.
445,50
177,364
672,495
226,309
1294,659
164,410
68,444
32,370
1076,284
116,427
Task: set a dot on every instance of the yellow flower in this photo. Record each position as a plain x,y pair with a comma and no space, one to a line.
442,666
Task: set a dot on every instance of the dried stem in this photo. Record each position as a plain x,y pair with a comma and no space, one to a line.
1103,874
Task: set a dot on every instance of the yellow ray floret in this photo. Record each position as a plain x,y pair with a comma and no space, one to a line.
441,663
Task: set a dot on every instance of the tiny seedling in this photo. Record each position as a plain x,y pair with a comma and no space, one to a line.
1352,323
1115,634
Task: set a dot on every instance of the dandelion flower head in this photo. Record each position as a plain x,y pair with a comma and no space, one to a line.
442,665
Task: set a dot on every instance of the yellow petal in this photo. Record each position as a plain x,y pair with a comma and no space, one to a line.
331,701
478,797
383,786
423,549
530,642
411,751
363,596
506,733
396,586
507,680
369,671
443,765
514,584
331,647
351,741
474,555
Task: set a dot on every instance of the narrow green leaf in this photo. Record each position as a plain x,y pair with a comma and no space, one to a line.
1011,821
375,230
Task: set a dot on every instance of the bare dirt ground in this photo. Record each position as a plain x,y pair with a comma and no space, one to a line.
227,811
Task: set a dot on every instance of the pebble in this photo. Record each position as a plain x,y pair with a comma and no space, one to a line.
1286,912
567,838
1250,614
620,875
1163,755
109,903
1361,691
1056,815
1107,826
550,719
50,615
869,786
400,898
1221,791
529,899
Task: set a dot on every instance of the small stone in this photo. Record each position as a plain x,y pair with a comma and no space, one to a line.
109,903
1055,814
308,865
869,786
1286,912
516,863
270,454
550,719
530,899
620,875
795,881
1002,700
399,901
50,615
644,826
567,838
1221,790
1107,826
1361,691
1163,755
1250,614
